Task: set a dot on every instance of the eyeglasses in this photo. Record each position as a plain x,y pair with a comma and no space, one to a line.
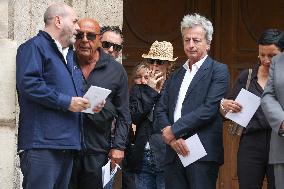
107,45
89,35
157,61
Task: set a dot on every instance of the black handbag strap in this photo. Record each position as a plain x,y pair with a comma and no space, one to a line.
236,129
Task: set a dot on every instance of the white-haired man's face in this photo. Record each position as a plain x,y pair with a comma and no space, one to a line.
195,44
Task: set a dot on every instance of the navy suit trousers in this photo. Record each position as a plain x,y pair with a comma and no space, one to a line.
46,168
198,175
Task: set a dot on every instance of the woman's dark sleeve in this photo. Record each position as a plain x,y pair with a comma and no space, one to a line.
141,102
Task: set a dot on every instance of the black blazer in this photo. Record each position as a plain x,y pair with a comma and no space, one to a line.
200,109
142,100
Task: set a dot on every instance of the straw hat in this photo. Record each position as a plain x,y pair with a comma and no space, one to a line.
161,50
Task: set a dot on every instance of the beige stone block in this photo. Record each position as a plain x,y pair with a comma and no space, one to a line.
7,79
105,12
4,18
80,8
28,18
7,155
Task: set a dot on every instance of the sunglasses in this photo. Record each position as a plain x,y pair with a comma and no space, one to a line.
157,61
90,36
107,45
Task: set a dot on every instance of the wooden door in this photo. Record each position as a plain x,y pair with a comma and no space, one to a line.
237,25
149,20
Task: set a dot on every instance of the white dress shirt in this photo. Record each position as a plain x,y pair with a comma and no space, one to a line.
188,76
64,51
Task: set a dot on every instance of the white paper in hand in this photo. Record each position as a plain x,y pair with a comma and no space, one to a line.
196,151
250,102
95,95
108,173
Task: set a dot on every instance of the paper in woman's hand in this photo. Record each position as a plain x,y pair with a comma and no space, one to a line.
250,102
95,95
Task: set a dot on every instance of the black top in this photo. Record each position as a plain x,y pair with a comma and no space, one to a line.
258,121
142,101
108,74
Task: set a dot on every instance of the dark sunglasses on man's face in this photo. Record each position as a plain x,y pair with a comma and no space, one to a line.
90,36
157,61
107,45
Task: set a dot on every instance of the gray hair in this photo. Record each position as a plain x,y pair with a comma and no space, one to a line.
55,9
193,20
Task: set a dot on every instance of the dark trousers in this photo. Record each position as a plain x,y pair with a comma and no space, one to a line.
128,180
198,175
46,168
87,171
252,165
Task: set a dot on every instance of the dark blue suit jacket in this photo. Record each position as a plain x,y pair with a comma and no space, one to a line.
200,109
45,86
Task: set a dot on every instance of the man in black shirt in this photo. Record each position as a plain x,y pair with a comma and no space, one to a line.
100,69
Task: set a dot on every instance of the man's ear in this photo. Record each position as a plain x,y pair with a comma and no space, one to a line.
57,21
208,47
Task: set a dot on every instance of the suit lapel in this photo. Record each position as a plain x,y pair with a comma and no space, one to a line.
177,85
203,70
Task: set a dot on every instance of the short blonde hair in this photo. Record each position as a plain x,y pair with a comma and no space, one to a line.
139,67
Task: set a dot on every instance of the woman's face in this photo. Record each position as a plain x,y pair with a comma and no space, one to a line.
142,76
158,65
266,52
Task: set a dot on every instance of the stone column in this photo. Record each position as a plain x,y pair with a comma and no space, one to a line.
7,112
7,101
19,21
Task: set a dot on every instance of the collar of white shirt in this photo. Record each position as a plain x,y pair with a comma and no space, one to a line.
63,51
197,65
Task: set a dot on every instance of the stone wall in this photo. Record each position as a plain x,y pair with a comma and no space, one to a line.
19,21
7,112
26,16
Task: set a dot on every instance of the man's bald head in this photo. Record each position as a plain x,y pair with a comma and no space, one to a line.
55,9
88,40
90,24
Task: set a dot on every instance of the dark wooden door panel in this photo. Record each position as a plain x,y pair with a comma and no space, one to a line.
240,22
149,20
237,25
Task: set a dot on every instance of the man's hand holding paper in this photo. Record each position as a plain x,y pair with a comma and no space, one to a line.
197,150
96,96
180,146
99,107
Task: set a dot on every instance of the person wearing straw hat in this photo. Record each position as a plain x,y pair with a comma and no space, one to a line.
160,59
145,153
189,104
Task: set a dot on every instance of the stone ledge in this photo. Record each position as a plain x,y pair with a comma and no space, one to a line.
11,123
